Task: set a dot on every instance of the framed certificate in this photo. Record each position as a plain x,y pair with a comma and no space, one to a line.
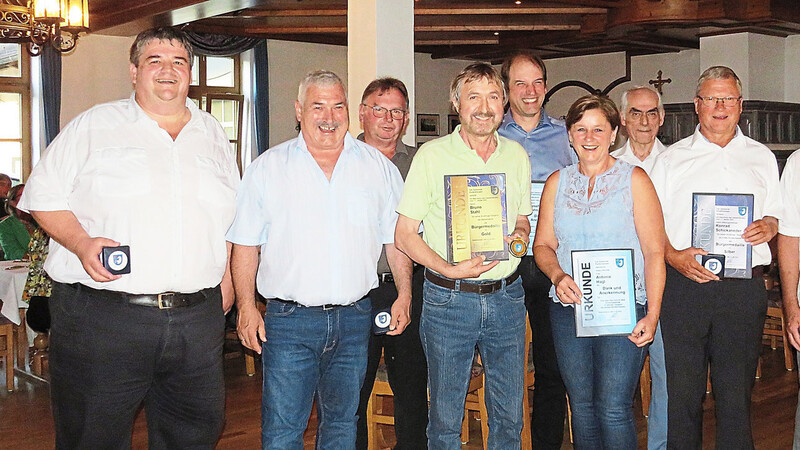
536,198
475,216
608,301
718,221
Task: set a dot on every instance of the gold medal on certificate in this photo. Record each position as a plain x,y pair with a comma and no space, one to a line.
475,216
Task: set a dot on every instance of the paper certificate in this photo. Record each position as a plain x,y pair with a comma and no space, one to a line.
608,301
536,197
475,216
718,221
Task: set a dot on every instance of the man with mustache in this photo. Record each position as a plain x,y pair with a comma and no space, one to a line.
472,302
545,140
319,245
642,116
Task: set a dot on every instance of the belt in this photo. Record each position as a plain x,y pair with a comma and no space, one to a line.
166,300
475,287
322,307
386,277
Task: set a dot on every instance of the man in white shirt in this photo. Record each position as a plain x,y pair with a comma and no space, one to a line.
707,320
319,208
642,116
155,173
789,261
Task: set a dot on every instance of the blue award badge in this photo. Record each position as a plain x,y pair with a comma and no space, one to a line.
381,321
518,247
713,263
117,260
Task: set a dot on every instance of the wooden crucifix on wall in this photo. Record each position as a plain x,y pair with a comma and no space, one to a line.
659,82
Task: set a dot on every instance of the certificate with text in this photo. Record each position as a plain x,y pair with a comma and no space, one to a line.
536,198
475,216
608,298
718,221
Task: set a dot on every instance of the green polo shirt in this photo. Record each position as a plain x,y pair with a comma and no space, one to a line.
423,194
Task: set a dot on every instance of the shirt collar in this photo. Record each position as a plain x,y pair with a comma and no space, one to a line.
508,121
399,147
699,138
137,113
458,144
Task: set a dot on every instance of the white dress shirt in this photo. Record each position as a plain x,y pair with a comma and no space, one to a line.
789,225
126,179
695,165
626,154
320,240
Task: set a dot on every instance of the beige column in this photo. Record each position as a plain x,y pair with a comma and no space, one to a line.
380,42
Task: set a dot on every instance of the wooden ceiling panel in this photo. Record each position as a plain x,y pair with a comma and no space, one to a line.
473,29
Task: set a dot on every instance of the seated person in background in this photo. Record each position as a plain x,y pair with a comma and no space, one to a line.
15,229
38,286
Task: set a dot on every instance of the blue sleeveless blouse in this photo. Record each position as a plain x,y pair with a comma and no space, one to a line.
604,220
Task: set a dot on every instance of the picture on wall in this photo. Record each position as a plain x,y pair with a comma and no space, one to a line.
452,122
427,124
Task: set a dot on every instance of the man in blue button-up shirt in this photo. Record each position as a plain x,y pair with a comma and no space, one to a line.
546,142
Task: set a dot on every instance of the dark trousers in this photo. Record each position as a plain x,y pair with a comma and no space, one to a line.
549,393
717,323
406,369
108,357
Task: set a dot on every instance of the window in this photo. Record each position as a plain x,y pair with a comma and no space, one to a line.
216,88
15,110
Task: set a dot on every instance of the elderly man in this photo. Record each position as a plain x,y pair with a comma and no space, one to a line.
642,116
704,318
789,261
319,246
472,301
383,114
156,174
546,142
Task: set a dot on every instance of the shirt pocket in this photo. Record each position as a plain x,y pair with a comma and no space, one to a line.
121,172
362,207
213,184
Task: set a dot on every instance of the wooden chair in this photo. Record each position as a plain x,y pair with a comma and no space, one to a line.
7,350
476,399
775,331
377,411
645,386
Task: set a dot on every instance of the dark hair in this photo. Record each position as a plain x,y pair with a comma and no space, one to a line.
527,55
588,102
12,195
381,85
160,34
474,72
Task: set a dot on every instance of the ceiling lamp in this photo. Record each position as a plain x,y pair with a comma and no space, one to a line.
42,22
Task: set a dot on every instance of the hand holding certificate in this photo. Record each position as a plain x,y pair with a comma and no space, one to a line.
608,299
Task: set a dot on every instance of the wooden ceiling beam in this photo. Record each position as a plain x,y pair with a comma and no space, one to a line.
431,11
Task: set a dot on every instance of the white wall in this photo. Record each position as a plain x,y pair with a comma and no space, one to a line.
97,71
792,69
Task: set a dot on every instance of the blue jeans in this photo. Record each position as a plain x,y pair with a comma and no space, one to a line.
453,323
657,419
313,352
601,375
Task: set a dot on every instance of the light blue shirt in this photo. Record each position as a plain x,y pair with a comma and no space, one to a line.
320,240
547,145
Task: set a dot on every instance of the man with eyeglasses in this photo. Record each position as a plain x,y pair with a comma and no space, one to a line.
642,116
706,319
384,117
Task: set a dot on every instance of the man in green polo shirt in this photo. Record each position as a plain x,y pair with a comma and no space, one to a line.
474,301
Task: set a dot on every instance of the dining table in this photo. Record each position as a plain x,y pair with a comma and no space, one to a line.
13,275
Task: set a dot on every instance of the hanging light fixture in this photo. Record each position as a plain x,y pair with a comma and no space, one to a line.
43,22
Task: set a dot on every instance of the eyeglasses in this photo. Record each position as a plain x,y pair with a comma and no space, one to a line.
728,102
381,112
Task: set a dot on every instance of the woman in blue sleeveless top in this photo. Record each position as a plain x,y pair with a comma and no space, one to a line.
600,203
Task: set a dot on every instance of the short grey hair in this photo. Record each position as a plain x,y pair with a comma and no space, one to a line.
474,72
624,102
168,34
319,78
718,73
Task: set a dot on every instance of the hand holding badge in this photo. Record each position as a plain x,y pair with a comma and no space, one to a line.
117,260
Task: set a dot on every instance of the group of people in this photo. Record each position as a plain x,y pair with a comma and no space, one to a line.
326,227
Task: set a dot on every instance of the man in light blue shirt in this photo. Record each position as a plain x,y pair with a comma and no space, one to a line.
318,208
546,142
